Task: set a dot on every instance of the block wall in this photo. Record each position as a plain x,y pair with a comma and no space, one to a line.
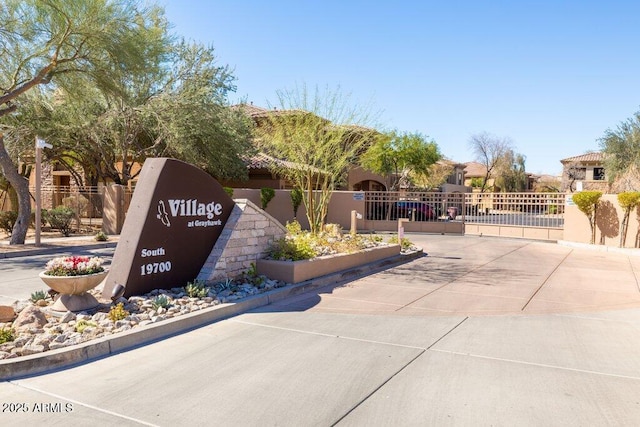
246,238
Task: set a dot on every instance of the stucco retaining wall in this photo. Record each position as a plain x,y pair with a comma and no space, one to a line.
299,271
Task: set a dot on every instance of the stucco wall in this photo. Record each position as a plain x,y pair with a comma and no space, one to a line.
281,208
609,218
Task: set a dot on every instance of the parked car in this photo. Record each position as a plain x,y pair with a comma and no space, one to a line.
415,211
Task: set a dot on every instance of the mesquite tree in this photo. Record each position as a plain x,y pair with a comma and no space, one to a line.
49,44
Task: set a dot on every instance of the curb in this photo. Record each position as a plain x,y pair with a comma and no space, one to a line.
600,248
63,358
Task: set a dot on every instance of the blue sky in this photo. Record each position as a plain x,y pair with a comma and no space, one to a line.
552,76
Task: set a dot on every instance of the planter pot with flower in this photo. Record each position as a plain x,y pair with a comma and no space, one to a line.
72,277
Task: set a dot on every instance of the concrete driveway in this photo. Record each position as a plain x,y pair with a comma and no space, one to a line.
480,332
487,276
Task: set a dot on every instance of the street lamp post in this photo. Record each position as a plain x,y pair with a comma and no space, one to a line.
40,144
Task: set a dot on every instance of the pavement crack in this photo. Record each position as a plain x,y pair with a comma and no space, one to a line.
546,280
374,391
448,332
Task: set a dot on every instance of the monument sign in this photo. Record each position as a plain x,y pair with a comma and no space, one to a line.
175,217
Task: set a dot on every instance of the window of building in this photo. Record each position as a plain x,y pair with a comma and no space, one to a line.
598,174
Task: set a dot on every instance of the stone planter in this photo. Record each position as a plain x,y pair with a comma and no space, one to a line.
299,271
73,290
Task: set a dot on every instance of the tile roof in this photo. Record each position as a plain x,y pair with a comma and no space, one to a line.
264,161
475,169
596,156
255,112
250,109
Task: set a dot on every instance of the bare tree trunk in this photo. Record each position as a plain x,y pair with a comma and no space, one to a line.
21,185
624,226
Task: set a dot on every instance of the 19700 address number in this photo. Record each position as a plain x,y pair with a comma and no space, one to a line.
155,268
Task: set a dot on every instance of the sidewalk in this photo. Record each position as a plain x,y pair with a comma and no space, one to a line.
52,243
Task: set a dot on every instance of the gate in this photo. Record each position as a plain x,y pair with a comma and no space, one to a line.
526,215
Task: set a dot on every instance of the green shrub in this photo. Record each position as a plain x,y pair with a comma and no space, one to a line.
291,248
38,295
101,237
628,201
266,195
333,230
375,238
228,284
587,202
229,191
298,244
405,244
161,301
296,200
252,275
60,218
294,228
196,289
7,219
43,218
118,312
83,324
7,335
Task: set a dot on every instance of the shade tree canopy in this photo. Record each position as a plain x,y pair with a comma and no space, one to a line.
621,149
406,158
46,44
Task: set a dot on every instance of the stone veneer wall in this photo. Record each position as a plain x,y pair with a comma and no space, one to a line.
245,239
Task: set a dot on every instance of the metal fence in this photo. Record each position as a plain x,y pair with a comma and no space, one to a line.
86,202
417,206
517,209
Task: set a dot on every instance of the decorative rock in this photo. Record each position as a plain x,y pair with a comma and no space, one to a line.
68,317
99,317
42,339
42,303
55,332
30,317
7,313
57,345
59,339
121,323
32,349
